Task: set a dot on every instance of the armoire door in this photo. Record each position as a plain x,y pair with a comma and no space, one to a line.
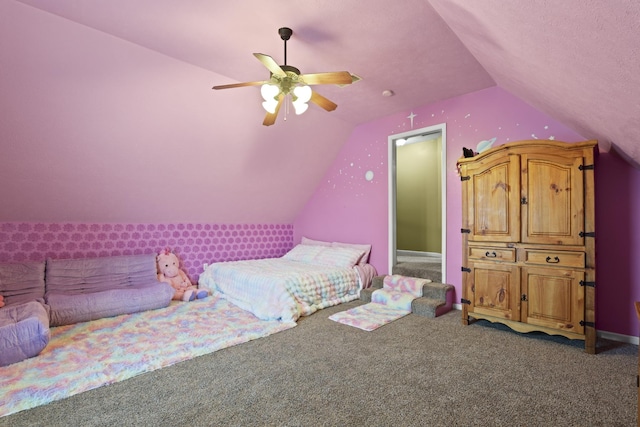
552,199
492,190
493,289
553,298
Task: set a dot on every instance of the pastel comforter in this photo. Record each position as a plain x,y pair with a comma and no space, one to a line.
280,288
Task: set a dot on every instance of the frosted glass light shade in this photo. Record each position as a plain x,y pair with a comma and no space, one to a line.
302,95
300,107
269,93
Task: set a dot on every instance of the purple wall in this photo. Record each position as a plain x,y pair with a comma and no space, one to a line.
347,207
194,243
617,244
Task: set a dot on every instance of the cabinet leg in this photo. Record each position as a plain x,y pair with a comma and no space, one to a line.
465,315
590,341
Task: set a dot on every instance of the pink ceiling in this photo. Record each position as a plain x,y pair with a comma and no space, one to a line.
407,49
103,77
576,60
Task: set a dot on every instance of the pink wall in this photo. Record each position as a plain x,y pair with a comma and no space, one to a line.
347,207
194,243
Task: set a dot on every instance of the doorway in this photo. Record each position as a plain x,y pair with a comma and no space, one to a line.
417,198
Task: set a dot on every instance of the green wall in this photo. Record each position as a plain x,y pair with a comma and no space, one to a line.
419,202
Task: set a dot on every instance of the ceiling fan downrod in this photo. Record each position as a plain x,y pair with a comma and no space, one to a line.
285,34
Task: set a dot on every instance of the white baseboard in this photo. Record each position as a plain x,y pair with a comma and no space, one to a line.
628,339
402,252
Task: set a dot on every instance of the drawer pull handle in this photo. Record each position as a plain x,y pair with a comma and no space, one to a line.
555,260
490,254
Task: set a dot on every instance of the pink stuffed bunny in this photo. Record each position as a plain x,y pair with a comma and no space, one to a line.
1,301
169,271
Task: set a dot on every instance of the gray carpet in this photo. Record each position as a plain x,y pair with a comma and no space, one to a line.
425,270
413,372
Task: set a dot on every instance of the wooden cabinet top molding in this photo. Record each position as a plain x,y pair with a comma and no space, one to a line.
533,145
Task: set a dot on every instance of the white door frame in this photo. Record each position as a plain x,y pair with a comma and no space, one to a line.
442,129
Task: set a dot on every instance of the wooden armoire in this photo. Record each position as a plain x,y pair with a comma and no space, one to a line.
528,233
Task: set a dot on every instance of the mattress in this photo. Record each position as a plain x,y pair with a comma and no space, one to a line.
279,288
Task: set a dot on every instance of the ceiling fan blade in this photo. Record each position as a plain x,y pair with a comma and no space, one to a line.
271,64
323,102
336,77
271,118
239,85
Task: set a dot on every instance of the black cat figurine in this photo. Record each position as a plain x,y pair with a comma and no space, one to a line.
467,152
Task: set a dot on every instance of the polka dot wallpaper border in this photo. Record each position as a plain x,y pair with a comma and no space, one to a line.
194,243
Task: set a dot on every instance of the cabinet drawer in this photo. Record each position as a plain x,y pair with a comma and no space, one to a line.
555,258
495,254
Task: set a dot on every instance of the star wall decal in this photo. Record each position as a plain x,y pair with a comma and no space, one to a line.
411,117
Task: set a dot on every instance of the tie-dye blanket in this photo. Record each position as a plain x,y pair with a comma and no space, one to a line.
390,303
281,289
88,355
410,285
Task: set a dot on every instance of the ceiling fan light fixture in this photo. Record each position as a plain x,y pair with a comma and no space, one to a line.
300,107
270,94
270,106
301,95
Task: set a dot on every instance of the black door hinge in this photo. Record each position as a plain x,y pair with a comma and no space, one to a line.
590,324
466,270
588,234
465,301
586,167
465,230
465,178
590,284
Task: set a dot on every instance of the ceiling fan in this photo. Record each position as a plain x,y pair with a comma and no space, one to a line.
286,80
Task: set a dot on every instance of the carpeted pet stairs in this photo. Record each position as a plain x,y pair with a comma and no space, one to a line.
389,303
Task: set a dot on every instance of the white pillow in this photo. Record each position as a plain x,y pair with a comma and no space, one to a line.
366,250
303,253
329,256
332,256
306,241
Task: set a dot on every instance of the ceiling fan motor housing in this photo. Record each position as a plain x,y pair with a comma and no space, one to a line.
290,81
285,33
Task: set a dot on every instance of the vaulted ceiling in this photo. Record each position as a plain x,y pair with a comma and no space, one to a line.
107,112
576,60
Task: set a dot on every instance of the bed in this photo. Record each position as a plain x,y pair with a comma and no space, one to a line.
311,276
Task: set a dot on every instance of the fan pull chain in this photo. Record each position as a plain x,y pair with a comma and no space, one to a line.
286,107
